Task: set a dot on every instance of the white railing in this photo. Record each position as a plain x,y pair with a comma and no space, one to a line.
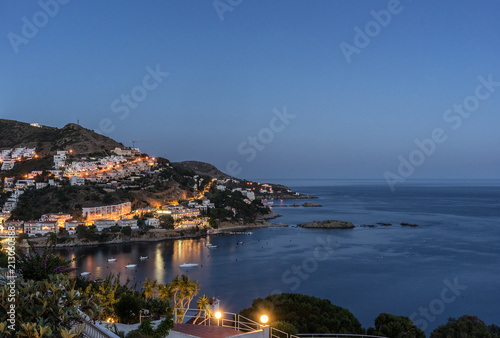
94,329
244,324
335,335
227,319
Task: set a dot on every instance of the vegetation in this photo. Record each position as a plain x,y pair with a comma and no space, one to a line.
43,308
69,199
466,327
305,313
38,264
147,330
227,199
388,325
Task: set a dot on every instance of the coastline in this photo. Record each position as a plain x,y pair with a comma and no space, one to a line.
226,228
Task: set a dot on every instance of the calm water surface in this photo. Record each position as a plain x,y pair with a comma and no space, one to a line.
395,269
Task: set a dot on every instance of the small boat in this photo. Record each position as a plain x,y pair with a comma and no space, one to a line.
85,274
240,242
211,246
130,266
143,258
111,260
188,265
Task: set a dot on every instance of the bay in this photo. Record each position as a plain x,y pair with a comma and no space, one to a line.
447,266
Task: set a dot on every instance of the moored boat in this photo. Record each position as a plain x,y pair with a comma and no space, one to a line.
188,265
130,266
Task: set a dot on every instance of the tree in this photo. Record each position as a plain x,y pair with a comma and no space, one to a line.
149,288
101,294
182,291
285,327
128,307
167,221
203,307
38,264
390,325
306,313
465,327
44,308
127,231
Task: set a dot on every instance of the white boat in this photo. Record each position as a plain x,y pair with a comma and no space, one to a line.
240,242
211,246
111,260
84,274
188,265
143,257
130,266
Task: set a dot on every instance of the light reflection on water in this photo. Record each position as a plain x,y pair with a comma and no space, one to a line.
391,269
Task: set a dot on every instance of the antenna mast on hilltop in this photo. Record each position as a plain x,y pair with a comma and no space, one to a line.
133,143
78,121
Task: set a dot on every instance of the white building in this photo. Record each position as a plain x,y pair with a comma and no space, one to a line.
33,228
132,222
152,222
71,226
101,224
75,180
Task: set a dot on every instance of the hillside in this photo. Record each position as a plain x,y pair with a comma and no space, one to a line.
202,169
49,139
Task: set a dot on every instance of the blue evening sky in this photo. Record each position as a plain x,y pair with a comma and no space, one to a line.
227,80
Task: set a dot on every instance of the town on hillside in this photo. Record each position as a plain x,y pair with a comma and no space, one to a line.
107,206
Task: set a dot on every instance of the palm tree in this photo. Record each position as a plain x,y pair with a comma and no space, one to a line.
203,305
189,289
164,291
149,288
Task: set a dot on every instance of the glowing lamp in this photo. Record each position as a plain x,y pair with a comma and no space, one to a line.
218,315
264,319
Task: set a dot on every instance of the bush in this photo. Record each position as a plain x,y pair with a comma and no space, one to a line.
395,326
465,327
127,231
285,327
306,313
158,307
128,308
38,264
147,330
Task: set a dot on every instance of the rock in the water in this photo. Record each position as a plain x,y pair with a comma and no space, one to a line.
311,205
385,224
329,224
410,225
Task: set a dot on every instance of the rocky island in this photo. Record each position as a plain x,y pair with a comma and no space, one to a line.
328,224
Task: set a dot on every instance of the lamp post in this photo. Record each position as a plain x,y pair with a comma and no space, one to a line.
218,315
265,328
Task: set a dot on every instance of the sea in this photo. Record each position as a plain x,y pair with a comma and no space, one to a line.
446,266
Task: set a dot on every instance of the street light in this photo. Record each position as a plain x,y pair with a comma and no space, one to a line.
264,319
218,315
